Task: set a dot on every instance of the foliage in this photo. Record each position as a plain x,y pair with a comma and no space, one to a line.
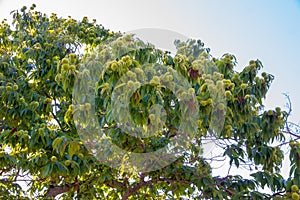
40,59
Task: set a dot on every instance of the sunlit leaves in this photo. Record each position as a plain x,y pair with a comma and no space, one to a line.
40,58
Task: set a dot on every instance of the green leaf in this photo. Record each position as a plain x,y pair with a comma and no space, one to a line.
73,148
57,142
46,170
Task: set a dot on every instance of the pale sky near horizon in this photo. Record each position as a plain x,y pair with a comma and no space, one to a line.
267,30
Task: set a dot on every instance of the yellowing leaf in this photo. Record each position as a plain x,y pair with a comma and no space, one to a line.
56,143
74,147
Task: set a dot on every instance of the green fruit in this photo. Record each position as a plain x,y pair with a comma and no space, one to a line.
67,162
65,67
152,82
9,88
72,67
72,57
65,61
208,76
72,107
248,68
184,95
138,70
82,107
125,58
228,94
41,131
131,74
35,104
228,128
119,43
114,66
253,66
80,155
247,96
169,78
172,86
221,106
209,101
47,100
211,88
264,74
170,69
217,76
86,72
23,9
295,196
19,133
87,106
203,103
244,86
22,100
15,87
292,142
53,158
270,112
38,45
191,91
235,76
226,81
295,188
278,109
130,84
137,84
128,62
152,117
155,80
252,62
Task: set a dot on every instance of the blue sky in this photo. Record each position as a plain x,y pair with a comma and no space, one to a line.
267,30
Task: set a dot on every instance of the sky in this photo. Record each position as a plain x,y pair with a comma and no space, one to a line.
267,30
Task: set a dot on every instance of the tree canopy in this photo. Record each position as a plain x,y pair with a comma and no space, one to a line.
63,79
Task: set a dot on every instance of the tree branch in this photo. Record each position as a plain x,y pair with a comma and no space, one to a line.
53,191
134,190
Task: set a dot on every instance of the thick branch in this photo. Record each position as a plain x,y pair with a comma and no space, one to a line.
53,191
116,184
134,190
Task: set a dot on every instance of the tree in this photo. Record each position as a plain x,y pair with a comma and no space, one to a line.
43,121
